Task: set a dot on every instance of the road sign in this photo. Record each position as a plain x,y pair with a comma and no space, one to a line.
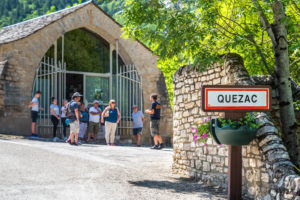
236,98
235,101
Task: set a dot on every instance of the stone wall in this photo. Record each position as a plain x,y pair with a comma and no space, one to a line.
265,160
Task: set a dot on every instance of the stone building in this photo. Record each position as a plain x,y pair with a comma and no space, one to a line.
44,54
267,172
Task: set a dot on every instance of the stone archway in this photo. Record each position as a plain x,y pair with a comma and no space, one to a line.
24,55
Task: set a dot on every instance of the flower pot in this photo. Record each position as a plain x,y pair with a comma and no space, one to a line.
231,136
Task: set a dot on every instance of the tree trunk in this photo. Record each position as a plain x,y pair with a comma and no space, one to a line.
287,113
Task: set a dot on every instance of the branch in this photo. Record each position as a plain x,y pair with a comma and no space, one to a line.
296,6
295,62
251,39
226,29
265,23
232,21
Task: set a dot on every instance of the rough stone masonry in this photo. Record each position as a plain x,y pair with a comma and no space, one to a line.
267,170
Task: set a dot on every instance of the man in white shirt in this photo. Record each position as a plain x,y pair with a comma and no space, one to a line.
94,120
34,105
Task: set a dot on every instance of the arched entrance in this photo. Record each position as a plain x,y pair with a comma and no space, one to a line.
82,61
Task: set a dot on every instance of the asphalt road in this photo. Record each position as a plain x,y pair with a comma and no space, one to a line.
37,170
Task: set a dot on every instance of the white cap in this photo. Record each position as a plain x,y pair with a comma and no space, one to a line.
94,102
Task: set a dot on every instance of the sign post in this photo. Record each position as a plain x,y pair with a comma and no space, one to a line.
235,101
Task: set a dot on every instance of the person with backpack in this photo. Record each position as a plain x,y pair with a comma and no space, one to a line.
73,113
54,110
154,112
64,119
112,118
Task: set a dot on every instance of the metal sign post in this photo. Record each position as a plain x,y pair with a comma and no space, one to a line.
235,101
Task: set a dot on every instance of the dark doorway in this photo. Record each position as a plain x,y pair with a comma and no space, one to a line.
74,83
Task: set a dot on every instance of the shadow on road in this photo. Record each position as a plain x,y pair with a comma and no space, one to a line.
181,187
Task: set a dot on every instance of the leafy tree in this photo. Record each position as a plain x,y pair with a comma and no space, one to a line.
266,33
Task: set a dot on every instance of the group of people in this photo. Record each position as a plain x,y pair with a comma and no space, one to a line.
81,120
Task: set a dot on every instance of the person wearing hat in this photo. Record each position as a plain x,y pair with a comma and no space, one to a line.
138,120
112,118
94,120
74,118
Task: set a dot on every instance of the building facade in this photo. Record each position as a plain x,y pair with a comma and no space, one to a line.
48,53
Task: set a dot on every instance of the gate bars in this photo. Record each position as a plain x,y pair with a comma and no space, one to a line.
51,80
129,93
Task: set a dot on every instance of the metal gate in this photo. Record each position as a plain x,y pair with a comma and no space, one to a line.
129,93
51,80
126,88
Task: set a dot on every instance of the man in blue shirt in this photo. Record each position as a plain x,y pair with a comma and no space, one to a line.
155,119
74,118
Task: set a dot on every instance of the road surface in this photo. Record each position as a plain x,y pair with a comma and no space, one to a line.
40,169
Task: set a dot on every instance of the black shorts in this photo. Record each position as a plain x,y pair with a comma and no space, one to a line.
34,116
137,131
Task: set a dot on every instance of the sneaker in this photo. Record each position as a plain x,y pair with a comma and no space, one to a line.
65,138
154,147
34,136
55,139
160,146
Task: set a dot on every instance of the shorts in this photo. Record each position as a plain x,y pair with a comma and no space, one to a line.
154,127
93,127
34,116
74,127
137,131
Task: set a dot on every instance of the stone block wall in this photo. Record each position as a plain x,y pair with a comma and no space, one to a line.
210,163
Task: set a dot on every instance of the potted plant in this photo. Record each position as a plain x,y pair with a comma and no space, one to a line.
235,133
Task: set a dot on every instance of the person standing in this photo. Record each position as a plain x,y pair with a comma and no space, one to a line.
103,124
138,120
54,110
94,120
112,118
74,118
84,119
34,105
154,112
64,118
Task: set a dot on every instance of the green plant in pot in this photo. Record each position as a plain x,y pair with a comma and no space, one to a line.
235,133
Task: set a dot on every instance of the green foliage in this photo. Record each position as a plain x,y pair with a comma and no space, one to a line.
248,121
86,52
198,32
297,105
14,11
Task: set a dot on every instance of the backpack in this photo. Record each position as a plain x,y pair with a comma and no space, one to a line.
67,111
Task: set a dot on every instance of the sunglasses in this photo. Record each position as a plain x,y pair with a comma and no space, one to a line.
113,103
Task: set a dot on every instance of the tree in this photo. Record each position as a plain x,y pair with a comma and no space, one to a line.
265,33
